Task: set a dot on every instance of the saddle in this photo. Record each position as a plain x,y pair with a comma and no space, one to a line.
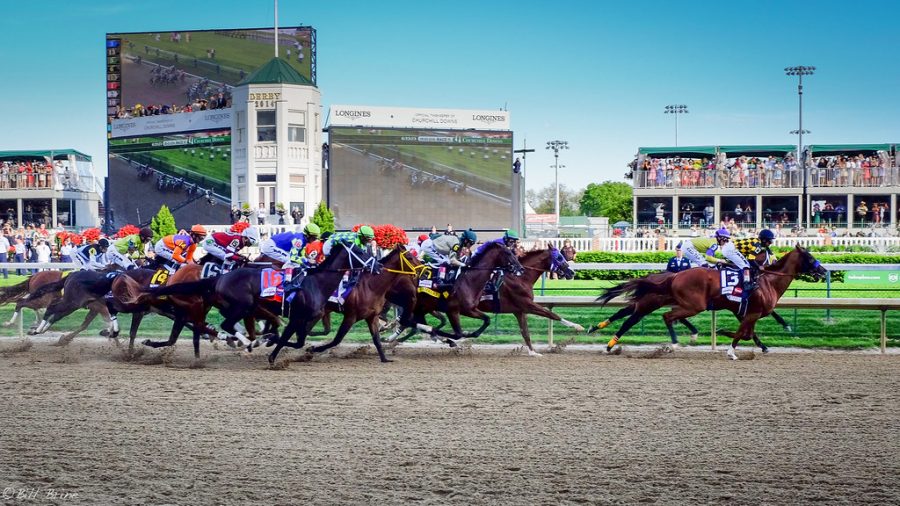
430,283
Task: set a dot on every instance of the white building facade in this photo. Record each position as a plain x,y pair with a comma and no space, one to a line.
276,144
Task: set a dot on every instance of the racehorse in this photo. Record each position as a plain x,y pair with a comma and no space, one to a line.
20,294
516,294
265,259
695,290
191,299
308,303
465,296
368,297
650,303
81,289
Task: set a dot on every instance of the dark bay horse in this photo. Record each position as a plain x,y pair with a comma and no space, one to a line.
308,303
368,297
81,289
19,293
516,294
465,296
695,290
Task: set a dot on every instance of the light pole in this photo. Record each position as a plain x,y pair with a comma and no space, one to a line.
676,110
556,146
801,71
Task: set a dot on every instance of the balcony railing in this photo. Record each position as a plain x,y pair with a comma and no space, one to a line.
766,178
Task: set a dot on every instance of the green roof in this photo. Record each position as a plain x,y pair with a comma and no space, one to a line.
277,71
825,149
686,151
757,150
57,154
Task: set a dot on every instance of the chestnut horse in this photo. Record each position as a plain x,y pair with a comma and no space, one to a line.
368,297
695,290
19,293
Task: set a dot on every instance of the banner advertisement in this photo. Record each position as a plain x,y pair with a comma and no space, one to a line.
403,117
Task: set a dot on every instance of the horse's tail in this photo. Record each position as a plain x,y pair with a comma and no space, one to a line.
48,288
658,283
203,287
14,292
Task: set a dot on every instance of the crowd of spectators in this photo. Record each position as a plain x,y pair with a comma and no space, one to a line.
31,174
765,172
858,170
215,101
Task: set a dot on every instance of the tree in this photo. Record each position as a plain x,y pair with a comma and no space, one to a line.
324,218
544,200
610,199
163,224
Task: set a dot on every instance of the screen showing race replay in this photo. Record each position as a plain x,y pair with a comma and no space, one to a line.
176,68
417,179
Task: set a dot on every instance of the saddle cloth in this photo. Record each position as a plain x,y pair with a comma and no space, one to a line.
730,280
271,284
160,277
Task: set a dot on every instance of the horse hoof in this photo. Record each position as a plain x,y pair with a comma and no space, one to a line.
104,333
765,350
731,354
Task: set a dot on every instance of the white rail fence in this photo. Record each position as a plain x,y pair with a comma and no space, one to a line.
882,305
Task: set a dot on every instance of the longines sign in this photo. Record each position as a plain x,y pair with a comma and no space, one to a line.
402,117
215,119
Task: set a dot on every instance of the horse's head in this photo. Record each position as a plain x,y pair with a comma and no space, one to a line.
497,255
809,264
559,264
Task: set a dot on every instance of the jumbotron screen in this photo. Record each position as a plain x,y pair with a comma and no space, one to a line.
416,178
168,102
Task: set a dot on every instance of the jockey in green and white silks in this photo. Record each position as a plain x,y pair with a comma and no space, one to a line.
362,239
444,250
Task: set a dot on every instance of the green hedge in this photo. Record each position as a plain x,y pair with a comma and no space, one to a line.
664,256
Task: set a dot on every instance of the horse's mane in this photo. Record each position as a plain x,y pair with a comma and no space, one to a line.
487,248
783,260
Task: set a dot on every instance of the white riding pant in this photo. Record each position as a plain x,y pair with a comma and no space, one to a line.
269,249
691,253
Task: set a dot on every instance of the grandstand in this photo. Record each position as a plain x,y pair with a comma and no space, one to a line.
849,188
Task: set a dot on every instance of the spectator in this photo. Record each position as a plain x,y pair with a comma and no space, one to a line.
20,253
43,252
4,254
261,214
568,251
678,262
861,211
66,251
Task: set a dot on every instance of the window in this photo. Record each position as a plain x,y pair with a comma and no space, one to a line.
296,133
297,179
265,126
265,178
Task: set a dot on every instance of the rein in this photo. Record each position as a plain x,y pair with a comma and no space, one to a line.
414,270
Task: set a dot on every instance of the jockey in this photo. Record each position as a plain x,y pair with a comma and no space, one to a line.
510,239
750,249
362,239
295,245
692,248
173,251
444,250
134,246
224,246
281,246
92,257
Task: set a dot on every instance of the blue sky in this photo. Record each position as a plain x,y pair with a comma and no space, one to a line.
593,73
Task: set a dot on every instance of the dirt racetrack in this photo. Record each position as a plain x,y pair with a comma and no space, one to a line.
437,427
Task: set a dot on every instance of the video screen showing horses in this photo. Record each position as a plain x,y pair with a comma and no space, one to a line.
421,178
180,69
190,173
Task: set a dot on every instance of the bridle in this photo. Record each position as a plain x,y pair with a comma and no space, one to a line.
407,267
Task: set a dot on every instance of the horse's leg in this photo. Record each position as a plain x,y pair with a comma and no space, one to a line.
526,333
745,331
537,310
618,315
62,309
376,338
132,334
630,322
233,315
674,337
326,324
16,313
345,326
781,321
691,328
285,335
177,325
67,338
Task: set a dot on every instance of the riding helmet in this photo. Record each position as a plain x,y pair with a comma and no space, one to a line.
198,229
312,229
469,235
766,235
146,234
723,232
252,234
103,243
511,234
367,232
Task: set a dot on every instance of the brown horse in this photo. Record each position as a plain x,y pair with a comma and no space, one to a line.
465,295
19,293
695,290
368,297
516,295
81,289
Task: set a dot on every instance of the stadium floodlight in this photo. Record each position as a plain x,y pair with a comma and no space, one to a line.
556,146
676,110
800,71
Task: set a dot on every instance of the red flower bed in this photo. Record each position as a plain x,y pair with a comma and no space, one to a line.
90,235
239,227
126,231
